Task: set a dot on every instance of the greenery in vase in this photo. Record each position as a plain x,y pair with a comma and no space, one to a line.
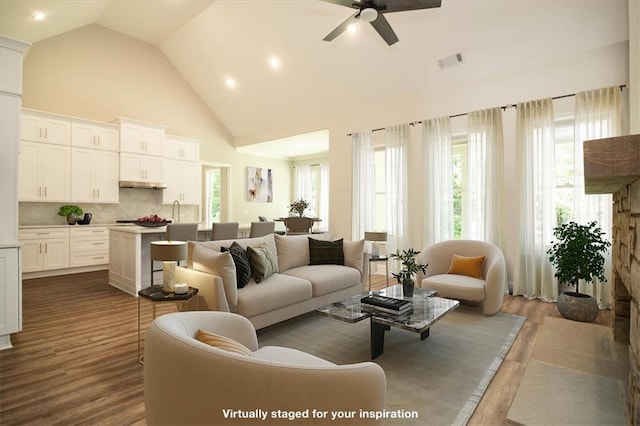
68,209
409,266
298,207
578,253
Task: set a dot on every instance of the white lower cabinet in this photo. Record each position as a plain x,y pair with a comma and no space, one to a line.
88,246
11,291
44,249
124,261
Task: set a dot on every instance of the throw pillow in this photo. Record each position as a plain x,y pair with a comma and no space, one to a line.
354,254
241,260
216,263
469,266
263,262
325,252
222,342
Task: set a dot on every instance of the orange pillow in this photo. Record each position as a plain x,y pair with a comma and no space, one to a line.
222,342
470,266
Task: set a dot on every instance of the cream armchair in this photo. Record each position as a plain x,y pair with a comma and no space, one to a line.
489,290
188,382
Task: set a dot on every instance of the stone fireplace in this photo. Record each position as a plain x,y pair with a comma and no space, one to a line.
613,166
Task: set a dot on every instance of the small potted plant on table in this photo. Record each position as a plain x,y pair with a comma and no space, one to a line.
409,269
71,212
578,255
298,207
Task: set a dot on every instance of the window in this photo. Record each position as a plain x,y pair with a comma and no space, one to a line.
215,193
565,170
379,187
459,178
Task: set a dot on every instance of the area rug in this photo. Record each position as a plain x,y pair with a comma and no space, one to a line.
577,373
441,378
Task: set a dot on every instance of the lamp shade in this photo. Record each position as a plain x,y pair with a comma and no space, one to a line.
168,250
375,236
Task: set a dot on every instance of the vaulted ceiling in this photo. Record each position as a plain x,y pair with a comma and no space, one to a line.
212,41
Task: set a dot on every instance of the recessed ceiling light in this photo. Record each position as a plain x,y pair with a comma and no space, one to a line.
231,83
275,63
352,29
39,16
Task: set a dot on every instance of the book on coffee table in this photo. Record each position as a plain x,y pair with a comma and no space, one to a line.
386,304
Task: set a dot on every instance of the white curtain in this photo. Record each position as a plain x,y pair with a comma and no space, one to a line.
323,208
304,187
535,160
482,219
396,161
363,195
438,180
598,115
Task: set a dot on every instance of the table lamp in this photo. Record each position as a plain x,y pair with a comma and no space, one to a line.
169,252
375,238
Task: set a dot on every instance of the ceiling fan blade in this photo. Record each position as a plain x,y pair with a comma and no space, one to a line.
348,3
342,27
388,6
383,28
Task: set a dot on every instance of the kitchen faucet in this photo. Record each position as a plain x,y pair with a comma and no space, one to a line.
173,208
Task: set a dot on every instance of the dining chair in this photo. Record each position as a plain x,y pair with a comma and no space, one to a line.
298,225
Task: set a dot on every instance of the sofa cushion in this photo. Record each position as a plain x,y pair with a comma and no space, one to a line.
222,342
290,356
326,279
214,262
354,254
470,266
263,262
293,250
455,286
274,292
241,260
244,242
325,252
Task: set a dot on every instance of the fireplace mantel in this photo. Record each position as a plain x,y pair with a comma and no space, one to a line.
611,163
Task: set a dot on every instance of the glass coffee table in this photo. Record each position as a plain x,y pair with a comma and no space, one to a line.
427,310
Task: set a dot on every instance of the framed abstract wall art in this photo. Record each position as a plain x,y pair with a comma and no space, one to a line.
260,185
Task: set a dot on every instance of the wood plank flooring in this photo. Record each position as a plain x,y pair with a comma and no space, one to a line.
75,362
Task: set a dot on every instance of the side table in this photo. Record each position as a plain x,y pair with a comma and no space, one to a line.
378,258
154,294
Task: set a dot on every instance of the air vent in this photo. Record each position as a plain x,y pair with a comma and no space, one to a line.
450,61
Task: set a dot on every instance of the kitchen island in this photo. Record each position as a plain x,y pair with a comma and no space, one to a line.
130,255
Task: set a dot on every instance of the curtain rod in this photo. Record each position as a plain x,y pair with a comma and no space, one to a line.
504,108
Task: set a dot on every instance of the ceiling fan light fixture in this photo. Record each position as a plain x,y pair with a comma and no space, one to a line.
369,14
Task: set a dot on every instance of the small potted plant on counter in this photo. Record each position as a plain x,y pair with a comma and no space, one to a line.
409,269
578,254
71,212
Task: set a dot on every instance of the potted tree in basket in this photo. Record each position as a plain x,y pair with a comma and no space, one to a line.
578,254
71,212
409,269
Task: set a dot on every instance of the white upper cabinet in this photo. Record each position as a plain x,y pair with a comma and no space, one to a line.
183,182
96,136
94,176
39,127
181,148
44,172
140,168
141,138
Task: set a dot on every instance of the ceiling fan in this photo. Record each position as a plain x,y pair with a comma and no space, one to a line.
373,11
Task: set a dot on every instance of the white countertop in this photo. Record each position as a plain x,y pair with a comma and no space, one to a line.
91,225
135,229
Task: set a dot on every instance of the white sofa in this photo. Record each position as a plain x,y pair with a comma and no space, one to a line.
187,382
489,290
295,289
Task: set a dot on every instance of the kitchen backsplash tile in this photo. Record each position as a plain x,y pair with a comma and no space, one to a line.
134,203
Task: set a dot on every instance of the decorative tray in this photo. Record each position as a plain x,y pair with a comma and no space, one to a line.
151,224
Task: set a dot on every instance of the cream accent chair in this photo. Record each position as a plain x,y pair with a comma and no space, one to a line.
187,382
489,290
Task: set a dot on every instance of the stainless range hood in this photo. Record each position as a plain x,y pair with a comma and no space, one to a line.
142,185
